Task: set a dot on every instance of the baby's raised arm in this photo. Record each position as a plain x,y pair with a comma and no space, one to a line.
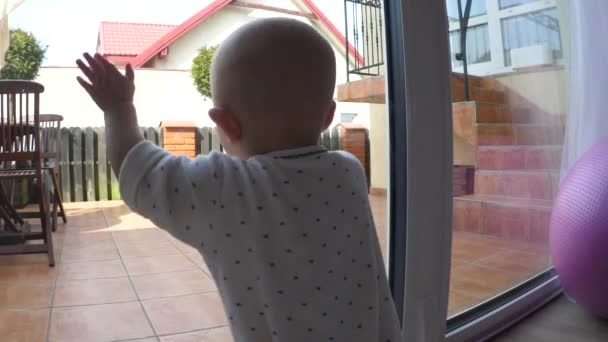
153,183
113,93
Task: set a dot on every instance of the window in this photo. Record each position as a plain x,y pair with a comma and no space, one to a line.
531,29
478,45
347,117
498,26
513,3
478,7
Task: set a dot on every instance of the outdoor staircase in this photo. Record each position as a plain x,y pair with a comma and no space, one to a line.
518,153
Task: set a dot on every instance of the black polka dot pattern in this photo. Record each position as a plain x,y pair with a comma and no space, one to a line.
287,237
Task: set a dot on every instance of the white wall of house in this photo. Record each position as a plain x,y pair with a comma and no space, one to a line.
219,26
160,95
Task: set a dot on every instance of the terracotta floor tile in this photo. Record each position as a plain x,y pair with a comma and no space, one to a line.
25,259
126,221
25,295
152,286
158,264
117,210
23,325
86,218
93,291
187,313
482,282
93,323
460,302
140,235
93,253
182,246
154,248
198,260
195,336
517,262
471,251
92,270
87,238
210,335
219,335
33,274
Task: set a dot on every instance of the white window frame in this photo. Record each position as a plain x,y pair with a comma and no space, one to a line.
493,18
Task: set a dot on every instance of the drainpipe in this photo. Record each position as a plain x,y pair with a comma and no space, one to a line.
462,56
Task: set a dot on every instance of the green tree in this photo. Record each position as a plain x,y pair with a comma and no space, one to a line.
24,56
201,70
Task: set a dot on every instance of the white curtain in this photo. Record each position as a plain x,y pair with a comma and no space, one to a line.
6,7
587,117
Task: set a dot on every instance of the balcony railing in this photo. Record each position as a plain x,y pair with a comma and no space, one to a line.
364,33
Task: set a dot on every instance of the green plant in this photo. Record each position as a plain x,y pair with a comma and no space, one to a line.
24,56
201,70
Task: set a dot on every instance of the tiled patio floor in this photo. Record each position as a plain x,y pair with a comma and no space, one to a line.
120,278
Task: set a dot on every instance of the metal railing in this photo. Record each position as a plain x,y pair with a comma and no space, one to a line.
364,36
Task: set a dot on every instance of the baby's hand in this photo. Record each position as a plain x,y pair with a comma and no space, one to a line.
110,89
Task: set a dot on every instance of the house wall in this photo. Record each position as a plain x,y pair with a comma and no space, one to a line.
219,26
379,152
160,95
546,90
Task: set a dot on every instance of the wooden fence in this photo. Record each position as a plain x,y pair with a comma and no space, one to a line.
86,173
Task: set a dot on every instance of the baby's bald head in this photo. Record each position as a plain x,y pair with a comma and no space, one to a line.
277,77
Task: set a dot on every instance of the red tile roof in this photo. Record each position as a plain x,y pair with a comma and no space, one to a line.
129,39
179,31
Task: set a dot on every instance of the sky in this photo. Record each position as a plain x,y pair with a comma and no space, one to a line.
70,27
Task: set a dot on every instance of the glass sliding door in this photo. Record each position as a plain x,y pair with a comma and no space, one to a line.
508,131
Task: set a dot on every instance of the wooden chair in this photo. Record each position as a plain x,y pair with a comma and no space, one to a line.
50,125
20,143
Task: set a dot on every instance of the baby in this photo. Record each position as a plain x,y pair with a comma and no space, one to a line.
284,225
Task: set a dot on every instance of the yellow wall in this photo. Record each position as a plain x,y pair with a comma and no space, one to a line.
544,89
379,153
464,153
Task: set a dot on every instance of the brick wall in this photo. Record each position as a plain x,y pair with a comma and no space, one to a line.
179,138
355,140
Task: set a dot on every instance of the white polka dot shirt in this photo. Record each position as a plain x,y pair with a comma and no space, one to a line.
288,237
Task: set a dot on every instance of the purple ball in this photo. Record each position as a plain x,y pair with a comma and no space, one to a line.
579,231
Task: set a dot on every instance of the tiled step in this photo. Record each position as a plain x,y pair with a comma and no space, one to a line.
519,184
492,113
474,81
503,217
477,94
519,134
513,114
492,83
519,157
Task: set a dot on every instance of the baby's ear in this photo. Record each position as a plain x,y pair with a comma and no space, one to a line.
329,116
228,123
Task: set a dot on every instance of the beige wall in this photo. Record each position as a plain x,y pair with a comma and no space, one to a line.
160,95
379,152
544,89
464,152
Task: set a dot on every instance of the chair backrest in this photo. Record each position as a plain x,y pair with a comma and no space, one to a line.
20,121
50,135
